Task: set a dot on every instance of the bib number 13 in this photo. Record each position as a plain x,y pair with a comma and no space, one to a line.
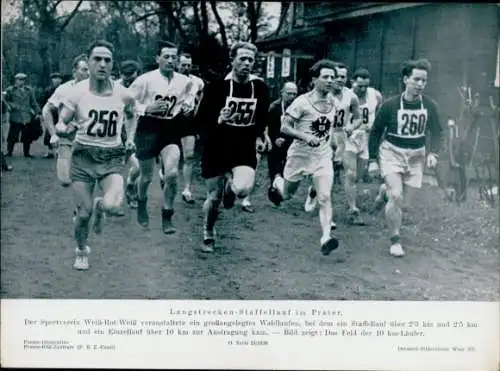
412,124
104,123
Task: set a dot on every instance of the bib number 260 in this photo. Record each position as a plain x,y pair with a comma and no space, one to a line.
412,124
104,123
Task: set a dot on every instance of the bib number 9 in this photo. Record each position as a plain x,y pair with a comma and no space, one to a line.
365,114
104,124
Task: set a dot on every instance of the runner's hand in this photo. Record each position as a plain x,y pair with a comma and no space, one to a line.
432,160
312,141
157,107
54,139
129,146
373,169
260,145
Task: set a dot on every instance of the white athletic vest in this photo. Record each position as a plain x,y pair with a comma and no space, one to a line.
310,120
196,89
368,108
153,86
99,119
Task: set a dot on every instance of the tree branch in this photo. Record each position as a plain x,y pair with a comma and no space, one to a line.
222,29
70,17
147,15
167,7
285,5
197,21
54,6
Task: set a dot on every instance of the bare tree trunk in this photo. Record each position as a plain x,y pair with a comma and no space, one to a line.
285,5
253,12
222,28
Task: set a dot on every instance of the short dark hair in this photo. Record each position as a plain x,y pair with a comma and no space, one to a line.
186,55
323,63
78,59
128,67
361,72
419,64
242,45
165,44
341,65
98,43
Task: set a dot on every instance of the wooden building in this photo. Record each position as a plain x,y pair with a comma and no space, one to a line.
460,40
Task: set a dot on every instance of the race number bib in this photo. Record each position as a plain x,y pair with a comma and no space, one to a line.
171,102
411,123
243,110
339,119
102,124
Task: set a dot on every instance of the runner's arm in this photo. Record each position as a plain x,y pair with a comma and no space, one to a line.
262,109
48,118
435,129
138,90
378,128
380,100
130,117
356,120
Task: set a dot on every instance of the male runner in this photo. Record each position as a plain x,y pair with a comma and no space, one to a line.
234,111
356,146
129,70
164,100
280,142
189,140
398,140
347,119
94,107
50,113
309,120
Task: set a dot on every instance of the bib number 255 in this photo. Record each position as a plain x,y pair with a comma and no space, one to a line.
104,123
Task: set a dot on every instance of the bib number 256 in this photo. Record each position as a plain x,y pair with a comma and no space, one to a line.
104,123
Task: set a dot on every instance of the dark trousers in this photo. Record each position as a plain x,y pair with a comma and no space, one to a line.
15,130
276,160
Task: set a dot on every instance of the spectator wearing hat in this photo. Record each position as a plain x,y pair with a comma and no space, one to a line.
129,70
55,81
24,111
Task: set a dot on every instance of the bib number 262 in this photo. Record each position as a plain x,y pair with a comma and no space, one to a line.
104,123
171,101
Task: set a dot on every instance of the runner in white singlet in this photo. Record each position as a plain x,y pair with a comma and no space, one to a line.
309,120
188,139
355,156
95,109
347,119
165,102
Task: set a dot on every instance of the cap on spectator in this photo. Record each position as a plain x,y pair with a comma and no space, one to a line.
53,75
20,76
128,67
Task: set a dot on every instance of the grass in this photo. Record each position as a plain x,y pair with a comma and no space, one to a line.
452,250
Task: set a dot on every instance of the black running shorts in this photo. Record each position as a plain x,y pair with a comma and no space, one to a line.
155,134
219,157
